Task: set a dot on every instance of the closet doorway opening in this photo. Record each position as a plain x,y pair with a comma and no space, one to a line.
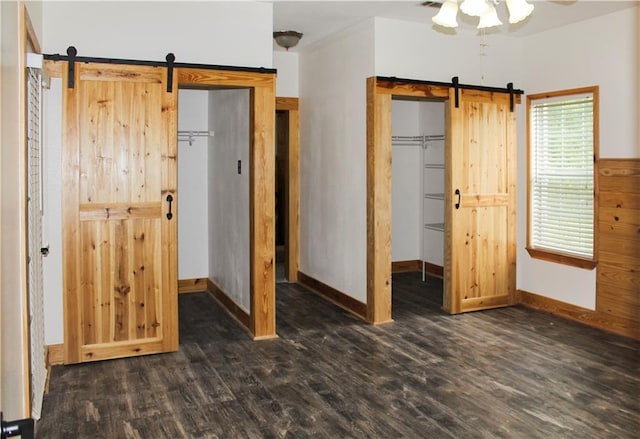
479,193
287,192
214,138
417,199
240,157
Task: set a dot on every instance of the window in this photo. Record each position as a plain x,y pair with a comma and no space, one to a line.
562,142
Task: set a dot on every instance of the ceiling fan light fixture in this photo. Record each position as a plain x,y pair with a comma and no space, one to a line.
446,17
287,38
518,10
489,18
474,8
485,9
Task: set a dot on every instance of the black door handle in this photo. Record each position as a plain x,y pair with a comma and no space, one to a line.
169,200
458,194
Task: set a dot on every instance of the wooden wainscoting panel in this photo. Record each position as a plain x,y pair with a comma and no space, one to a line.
339,298
192,285
616,301
622,274
618,273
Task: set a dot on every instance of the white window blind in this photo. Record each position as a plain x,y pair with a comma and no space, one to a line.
562,163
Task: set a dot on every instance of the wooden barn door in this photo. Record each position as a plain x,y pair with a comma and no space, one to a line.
480,209
119,212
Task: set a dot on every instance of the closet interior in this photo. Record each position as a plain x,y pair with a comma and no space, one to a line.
213,189
281,181
418,152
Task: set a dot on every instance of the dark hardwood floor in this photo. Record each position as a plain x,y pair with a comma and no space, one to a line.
509,373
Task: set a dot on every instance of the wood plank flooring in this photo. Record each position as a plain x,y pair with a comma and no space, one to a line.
507,373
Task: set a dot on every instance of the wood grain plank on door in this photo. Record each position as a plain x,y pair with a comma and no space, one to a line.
138,273
89,285
119,211
105,283
153,265
165,321
70,224
121,285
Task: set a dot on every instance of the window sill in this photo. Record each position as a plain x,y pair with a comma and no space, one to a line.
573,261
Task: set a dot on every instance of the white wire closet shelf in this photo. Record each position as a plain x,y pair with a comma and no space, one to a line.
424,142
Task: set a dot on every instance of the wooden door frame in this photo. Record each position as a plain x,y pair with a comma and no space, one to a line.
292,195
261,85
379,95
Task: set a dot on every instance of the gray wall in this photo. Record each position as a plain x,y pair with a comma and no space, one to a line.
229,193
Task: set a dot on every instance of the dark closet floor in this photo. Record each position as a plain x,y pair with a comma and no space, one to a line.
511,373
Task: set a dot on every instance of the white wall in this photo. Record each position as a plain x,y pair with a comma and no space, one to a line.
287,78
13,339
603,52
417,51
34,9
196,32
333,191
406,182
52,264
229,263
193,230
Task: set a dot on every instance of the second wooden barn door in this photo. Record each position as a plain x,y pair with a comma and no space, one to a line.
480,255
119,224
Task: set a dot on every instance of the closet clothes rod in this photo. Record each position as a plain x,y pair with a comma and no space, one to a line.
189,136
417,138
